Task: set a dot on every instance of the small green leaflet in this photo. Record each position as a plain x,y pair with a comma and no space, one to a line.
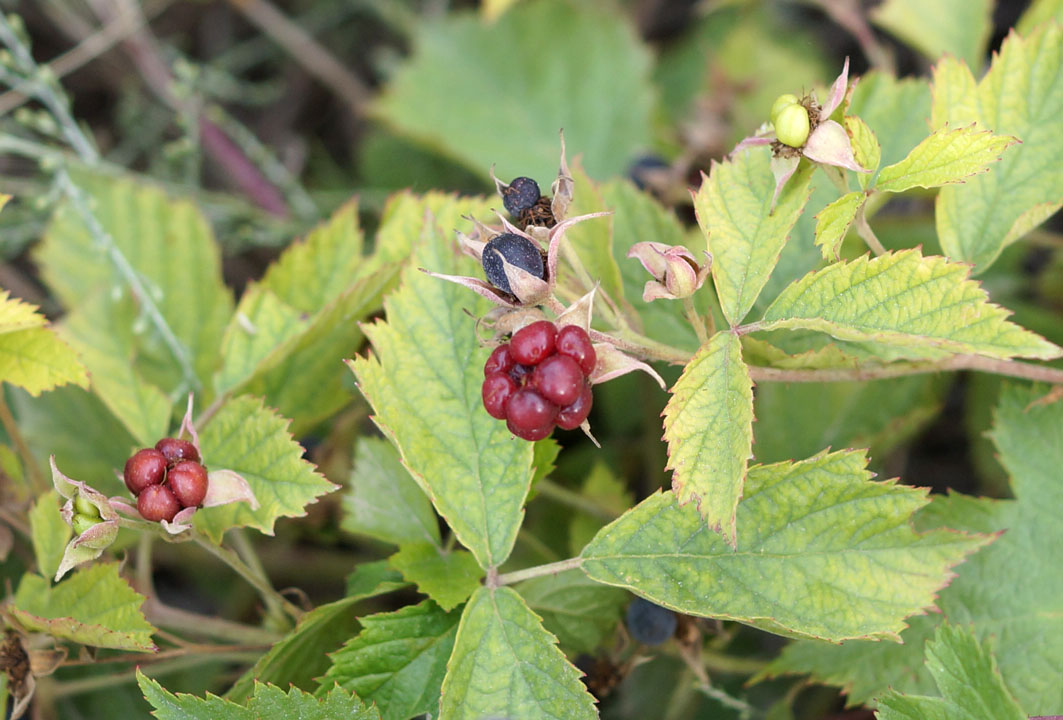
31,355
888,105
904,300
383,501
833,223
967,676
1021,95
267,703
423,381
708,426
94,606
745,234
824,553
947,156
449,578
505,664
49,532
398,660
957,27
866,148
252,440
583,614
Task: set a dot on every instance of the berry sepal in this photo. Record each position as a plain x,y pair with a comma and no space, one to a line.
82,502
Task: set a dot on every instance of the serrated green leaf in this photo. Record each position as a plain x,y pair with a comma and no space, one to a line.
168,242
18,315
384,502
49,532
959,27
895,110
833,223
374,578
314,271
189,707
398,660
708,426
101,331
94,606
31,356
966,674
583,614
866,150
252,440
504,663
552,65
272,702
947,156
423,381
1022,96
1039,11
905,300
449,578
824,553
757,352
745,233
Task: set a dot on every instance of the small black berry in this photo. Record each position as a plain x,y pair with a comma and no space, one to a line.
188,483
157,503
520,195
176,450
648,623
147,467
516,250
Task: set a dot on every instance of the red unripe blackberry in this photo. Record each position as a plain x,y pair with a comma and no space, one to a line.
559,379
176,450
529,415
574,341
497,389
188,483
533,343
500,361
147,467
571,417
157,503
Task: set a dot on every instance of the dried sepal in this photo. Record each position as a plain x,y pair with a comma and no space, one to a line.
89,544
612,363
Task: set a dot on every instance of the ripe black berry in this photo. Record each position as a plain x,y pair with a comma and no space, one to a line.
520,195
529,415
572,416
147,467
559,379
574,341
176,450
533,343
649,623
500,361
497,389
188,483
517,250
156,503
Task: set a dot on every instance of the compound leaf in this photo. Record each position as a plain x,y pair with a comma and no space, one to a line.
708,424
449,578
825,553
505,664
181,706
904,300
947,156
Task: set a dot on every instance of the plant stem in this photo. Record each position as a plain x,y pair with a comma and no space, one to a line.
269,595
864,231
724,663
247,553
206,626
695,320
548,488
29,462
100,682
538,571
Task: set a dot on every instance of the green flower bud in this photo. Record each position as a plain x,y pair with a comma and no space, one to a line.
82,523
82,506
783,101
791,125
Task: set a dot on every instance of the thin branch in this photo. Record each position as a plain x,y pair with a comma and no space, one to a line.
256,581
867,234
206,626
537,571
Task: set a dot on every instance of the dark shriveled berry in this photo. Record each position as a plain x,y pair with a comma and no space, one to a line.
497,389
533,343
520,195
529,415
649,623
147,467
518,251
157,503
572,416
500,361
176,450
574,341
559,379
188,483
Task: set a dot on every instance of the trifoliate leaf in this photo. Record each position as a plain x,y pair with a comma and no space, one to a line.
94,606
331,254
583,614
824,552
905,300
947,156
745,231
833,223
449,578
423,381
50,534
384,502
552,78
252,440
505,664
1022,96
398,660
967,676
189,707
958,27
708,426
31,356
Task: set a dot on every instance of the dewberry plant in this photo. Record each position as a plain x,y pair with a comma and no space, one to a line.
409,468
